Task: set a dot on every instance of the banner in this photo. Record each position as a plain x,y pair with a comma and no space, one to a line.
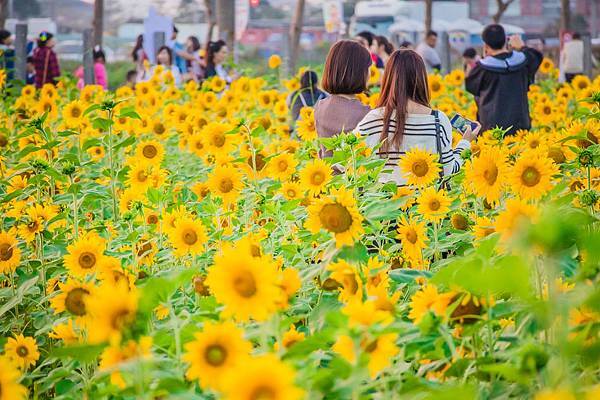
242,15
333,16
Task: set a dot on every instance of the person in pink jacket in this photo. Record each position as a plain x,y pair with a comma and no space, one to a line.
100,75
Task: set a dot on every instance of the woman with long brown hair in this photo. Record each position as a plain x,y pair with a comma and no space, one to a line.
345,75
404,119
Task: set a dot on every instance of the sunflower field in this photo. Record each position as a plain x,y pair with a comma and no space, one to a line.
188,243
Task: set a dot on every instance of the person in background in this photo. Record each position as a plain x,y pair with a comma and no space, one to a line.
139,56
191,55
501,80
367,39
345,75
406,45
404,120
177,49
7,54
470,58
384,48
307,95
164,57
30,67
216,55
571,57
47,69
426,49
100,76
131,78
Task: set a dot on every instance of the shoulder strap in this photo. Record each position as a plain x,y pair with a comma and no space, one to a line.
438,140
45,74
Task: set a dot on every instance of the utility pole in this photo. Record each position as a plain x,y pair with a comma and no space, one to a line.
295,32
98,21
226,21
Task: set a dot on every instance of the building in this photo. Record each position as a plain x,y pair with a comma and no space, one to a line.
541,16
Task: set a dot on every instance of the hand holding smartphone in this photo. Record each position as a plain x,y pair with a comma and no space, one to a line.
466,127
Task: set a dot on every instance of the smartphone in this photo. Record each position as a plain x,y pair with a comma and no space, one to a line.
460,123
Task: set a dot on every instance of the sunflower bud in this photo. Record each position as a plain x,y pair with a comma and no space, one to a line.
586,158
459,222
589,198
39,165
68,168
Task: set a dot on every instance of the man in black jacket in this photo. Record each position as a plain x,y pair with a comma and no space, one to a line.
500,81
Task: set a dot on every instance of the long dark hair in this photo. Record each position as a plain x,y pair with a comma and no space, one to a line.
195,43
387,46
211,49
404,79
139,44
168,50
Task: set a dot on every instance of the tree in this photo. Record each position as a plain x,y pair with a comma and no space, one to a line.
502,7
210,19
24,9
226,20
565,15
98,22
295,32
428,15
3,12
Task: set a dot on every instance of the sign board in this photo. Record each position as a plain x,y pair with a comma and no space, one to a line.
152,24
333,15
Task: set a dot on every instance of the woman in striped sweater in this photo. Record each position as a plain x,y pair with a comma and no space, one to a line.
404,119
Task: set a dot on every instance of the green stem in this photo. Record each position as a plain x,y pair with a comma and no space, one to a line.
113,187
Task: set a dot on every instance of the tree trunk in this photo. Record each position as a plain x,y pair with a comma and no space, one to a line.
210,20
295,32
502,7
98,22
428,15
565,15
3,12
226,21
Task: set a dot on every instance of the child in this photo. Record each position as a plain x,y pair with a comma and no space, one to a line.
30,80
7,53
100,77
131,78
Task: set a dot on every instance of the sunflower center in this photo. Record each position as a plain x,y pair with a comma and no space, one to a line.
75,112
152,219
87,260
263,393
144,248
531,177
219,140
291,193
255,250
245,284
6,251
189,237
142,176
335,218
215,355
434,205
411,236
282,165
420,168
74,302
491,174
22,351
149,151
317,178
33,226
371,347
3,140
258,162
119,319
226,185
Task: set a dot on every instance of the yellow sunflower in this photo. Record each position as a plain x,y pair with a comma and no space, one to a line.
245,285
290,338
306,129
10,254
71,298
436,85
433,204
188,237
292,190
226,183
426,300
516,213
282,166
112,308
381,352
261,377
315,176
532,176
9,381
150,150
219,348
338,215
274,61
413,236
419,167
23,351
73,113
487,173
217,139
85,255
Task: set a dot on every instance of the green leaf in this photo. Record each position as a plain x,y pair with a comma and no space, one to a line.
102,124
407,275
159,288
357,253
383,210
92,108
90,143
18,297
129,112
85,353
127,142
